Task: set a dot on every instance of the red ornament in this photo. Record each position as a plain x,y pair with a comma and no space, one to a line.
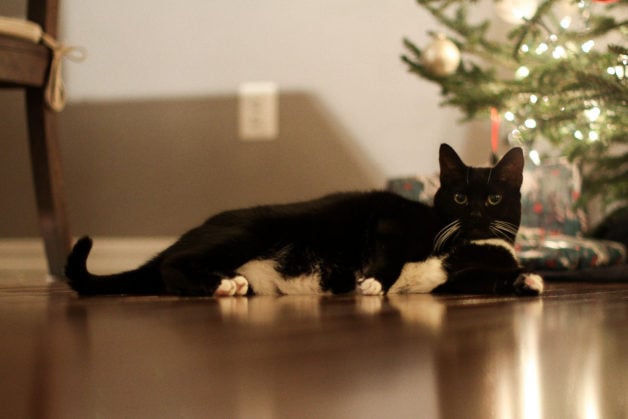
605,1
494,130
537,208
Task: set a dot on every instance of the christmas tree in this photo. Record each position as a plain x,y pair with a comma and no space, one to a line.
560,75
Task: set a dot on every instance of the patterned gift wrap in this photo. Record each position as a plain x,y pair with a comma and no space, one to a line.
548,194
539,251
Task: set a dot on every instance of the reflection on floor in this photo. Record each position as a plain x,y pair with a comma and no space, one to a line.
561,356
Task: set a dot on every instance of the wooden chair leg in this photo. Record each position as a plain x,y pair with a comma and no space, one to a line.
47,176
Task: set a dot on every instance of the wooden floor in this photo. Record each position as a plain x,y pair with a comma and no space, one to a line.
419,356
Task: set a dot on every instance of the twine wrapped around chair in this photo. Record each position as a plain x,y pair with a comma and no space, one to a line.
54,92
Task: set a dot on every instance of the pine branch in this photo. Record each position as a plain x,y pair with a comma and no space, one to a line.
593,86
476,41
617,49
574,97
530,25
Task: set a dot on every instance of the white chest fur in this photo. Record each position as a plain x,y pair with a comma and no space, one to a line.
496,243
420,277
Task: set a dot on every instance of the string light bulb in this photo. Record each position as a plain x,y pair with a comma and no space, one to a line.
587,46
542,48
621,69
522,72
559,52
565,22
535,157
578,135
593,135
592,114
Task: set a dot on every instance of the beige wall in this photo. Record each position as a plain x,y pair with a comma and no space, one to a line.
149,136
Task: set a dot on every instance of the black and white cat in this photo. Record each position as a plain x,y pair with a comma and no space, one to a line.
368,242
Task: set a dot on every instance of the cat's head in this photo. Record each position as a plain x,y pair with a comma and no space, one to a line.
478,203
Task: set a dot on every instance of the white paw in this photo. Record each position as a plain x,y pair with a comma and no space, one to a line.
369,286
535,282
242,285
232,286
529,284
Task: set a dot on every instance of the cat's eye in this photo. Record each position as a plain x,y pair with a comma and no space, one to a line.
461,199
494,199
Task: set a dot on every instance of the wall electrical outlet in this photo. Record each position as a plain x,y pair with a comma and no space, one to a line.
258,111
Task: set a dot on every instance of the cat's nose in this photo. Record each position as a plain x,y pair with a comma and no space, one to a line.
475,213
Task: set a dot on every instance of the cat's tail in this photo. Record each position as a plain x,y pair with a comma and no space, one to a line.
144,280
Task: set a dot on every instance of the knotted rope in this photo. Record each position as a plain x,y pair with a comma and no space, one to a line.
54,92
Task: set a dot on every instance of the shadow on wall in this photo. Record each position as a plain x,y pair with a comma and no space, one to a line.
159,167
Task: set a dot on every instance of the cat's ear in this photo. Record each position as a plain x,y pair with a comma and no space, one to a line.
451,165
510,168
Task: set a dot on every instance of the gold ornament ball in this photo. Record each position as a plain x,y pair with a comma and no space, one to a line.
441,57
516,11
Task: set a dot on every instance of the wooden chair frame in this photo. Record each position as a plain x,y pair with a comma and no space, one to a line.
24,64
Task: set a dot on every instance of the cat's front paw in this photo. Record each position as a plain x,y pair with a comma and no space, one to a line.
528,284
228,287
369,286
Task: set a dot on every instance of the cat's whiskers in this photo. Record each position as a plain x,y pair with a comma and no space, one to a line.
504,229
500,234
507,226
445,234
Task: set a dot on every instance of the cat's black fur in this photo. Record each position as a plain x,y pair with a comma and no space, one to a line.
344,242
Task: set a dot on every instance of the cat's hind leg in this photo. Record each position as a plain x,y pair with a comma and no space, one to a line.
238,285
189,275
369,286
